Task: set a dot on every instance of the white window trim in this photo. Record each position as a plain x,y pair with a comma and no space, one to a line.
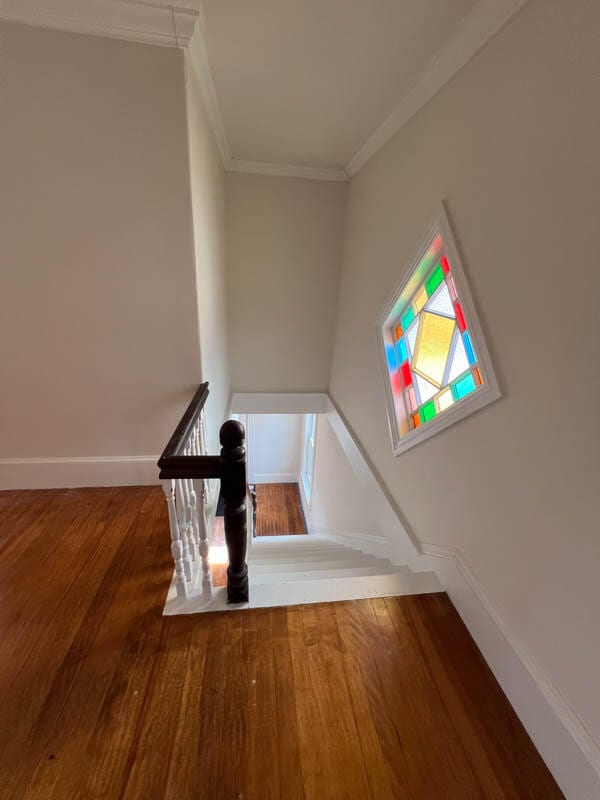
309,447
486,394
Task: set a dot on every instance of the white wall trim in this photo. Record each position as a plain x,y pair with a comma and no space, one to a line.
569,750
152,23
286,170
477,27
148,22
279,403
199,58
59,473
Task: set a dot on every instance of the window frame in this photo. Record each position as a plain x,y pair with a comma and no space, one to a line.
309,439
485,394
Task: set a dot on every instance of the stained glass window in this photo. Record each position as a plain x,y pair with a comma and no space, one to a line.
434,356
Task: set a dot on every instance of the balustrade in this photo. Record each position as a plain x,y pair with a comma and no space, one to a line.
186,472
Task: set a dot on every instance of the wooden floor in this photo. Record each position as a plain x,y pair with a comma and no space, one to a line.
102,697
278,509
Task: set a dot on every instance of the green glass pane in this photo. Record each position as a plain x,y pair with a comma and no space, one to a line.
428,411
407,319
463,387
434,280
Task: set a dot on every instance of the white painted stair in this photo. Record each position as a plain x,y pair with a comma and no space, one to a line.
291,570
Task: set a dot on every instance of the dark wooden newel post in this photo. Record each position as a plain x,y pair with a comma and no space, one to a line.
233,489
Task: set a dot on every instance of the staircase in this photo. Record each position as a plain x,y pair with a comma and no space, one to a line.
261,572
290,570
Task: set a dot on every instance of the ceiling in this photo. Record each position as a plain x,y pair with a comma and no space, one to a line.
306,88
306,82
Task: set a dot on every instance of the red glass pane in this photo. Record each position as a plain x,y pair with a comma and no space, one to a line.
445,265
460,317
406,374
395,382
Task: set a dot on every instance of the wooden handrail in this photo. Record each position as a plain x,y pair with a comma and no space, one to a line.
172,460
184,470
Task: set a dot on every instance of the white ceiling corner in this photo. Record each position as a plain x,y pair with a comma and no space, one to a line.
287,170
485,19
482,20
133,20
281,63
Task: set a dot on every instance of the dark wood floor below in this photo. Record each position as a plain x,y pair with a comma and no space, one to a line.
103,697
278,509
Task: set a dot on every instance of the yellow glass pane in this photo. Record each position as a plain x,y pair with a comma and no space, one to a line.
420,300
432,346
445,399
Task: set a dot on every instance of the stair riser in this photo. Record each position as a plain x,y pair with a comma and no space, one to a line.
323,575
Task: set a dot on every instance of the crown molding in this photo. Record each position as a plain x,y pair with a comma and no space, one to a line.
199,58
147,22
286,170
198,54
477,27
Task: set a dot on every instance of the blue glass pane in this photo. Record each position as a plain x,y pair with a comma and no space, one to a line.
469,347
407,319
463,387
390,354
402,354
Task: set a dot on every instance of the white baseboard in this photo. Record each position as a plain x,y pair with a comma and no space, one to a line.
66,473
275,477
564,743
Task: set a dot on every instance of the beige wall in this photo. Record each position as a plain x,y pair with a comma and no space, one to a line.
511,144
99,328
274,447
207,181
283,258
339,502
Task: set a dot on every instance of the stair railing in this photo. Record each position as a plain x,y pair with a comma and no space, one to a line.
186,472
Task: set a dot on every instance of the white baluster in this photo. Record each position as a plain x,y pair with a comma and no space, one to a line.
183,526
204,544
176,543
194,537
189,511
202,449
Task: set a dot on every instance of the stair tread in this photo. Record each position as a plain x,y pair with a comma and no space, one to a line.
335,589
322,574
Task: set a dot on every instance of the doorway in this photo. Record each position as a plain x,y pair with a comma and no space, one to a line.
276,465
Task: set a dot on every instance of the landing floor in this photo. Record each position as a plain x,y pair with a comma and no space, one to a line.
102,696
278,509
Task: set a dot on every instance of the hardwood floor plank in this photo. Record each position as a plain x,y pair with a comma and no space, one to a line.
103,698
16,516
221,744
352,636
65,724
262,779
87,608
332,764
278,509
183,768
290,770
160,714
501,752
110,750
